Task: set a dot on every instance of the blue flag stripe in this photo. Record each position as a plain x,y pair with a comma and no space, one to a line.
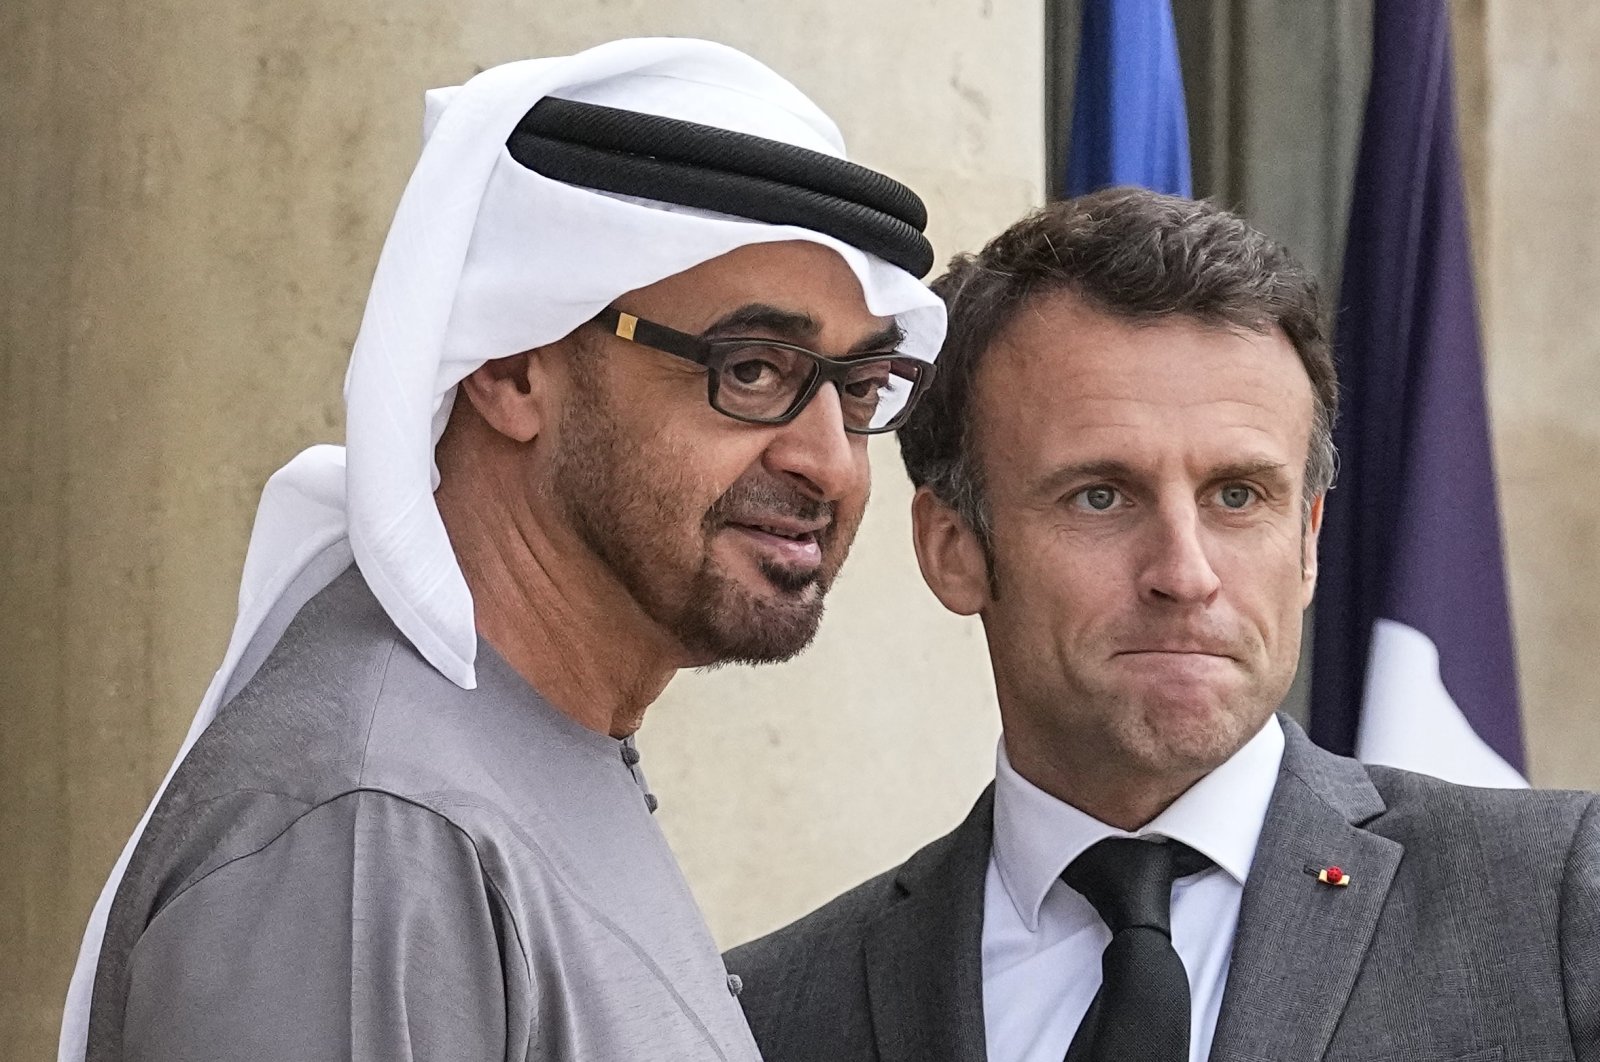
1128,119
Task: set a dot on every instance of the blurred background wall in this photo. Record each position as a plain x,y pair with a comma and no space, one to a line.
192,198
1531,107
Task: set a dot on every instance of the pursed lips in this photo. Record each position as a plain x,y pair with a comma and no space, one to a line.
1177,650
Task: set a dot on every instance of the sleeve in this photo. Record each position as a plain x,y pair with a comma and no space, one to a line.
1580,936
367,930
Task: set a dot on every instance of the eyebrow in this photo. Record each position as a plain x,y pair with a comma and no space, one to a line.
1056,480
1256,468
794,326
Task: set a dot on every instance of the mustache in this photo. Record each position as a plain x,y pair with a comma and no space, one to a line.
755,500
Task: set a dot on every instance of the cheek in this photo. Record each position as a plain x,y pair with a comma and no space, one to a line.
1059,583
668,488
703,465
849,509
1267,587
859,488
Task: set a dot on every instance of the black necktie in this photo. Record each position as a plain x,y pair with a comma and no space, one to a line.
1142,1009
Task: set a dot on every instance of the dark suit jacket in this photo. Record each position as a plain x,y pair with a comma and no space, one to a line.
1470,931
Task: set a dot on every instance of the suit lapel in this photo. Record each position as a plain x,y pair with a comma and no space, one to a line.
1300,943
924,956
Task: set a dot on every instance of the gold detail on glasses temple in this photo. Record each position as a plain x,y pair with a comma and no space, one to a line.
626,323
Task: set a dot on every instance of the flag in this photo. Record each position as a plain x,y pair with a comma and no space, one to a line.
1412,659
1128,121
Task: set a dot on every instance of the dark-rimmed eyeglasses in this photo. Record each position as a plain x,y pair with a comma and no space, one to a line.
763,381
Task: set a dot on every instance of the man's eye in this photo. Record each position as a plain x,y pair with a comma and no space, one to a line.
1236,496
867,388
763,369
751,371
1097,499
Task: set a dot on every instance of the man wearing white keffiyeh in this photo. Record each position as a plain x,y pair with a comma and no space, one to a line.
606,419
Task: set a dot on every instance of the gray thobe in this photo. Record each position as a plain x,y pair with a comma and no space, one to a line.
360,860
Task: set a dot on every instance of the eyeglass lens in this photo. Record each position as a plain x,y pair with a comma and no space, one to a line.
761,382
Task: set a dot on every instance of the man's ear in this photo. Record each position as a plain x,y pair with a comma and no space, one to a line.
512,394
1308,551
948,552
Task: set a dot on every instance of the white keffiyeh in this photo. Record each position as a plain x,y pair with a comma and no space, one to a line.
486,259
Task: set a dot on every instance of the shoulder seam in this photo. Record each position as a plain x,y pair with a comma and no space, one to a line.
307,809
182,810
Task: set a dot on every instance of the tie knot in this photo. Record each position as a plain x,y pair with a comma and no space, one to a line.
1129,880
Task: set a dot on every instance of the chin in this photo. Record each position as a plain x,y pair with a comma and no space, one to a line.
730,620
1190,736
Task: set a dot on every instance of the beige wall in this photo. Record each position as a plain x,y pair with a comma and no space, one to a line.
1530,105
191,202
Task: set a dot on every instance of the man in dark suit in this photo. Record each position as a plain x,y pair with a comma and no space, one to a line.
1121,470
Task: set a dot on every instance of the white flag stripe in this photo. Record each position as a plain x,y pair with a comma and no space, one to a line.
1409,720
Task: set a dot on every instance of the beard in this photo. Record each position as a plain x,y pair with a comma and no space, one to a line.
633,509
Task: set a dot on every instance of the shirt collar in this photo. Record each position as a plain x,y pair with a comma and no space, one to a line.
1037,836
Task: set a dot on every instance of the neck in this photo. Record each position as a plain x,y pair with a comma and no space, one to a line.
1120,797
575,635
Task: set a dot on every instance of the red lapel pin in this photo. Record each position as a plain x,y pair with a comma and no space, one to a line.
1329,875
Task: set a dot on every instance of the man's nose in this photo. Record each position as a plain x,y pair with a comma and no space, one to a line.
1178,569
815,449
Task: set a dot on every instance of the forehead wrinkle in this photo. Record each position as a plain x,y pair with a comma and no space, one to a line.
1085,408
1140,446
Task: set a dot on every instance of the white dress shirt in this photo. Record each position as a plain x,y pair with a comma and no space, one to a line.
1042,940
